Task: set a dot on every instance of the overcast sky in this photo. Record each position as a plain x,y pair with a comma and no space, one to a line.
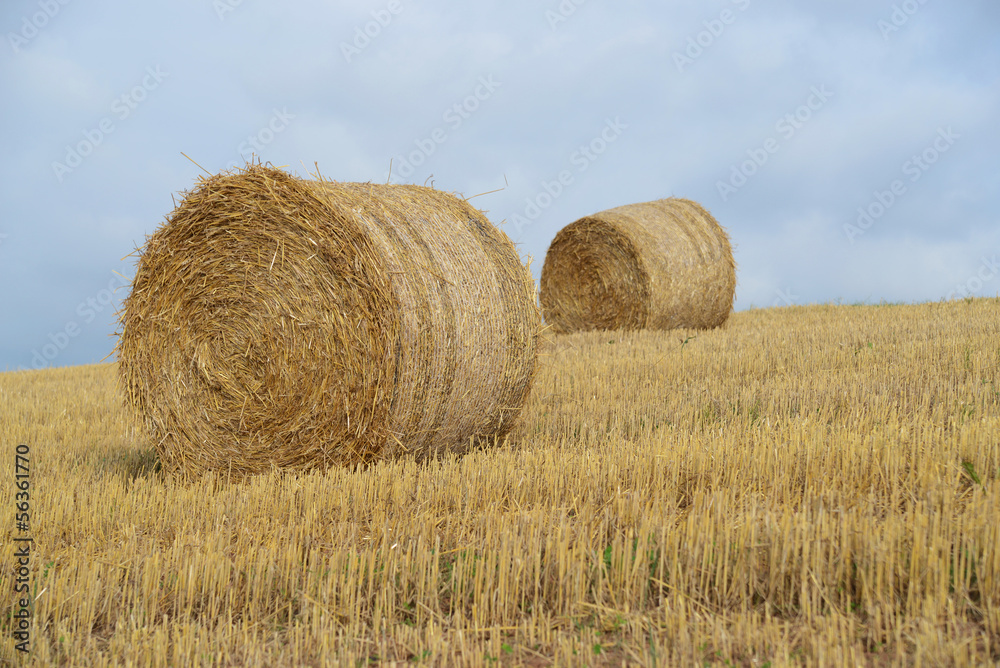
850,148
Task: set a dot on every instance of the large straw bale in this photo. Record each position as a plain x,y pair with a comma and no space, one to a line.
656,265
280,322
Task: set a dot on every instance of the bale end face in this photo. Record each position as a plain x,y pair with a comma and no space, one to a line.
594,278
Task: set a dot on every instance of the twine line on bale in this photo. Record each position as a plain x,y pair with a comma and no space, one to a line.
281,322
656,265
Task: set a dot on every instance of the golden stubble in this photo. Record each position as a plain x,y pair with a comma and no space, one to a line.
810,485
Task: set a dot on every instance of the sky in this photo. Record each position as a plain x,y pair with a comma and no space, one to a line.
849,148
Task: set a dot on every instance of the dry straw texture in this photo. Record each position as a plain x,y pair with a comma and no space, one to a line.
276,321
812,486
655,265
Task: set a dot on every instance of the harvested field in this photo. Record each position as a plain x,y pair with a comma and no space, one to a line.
806,486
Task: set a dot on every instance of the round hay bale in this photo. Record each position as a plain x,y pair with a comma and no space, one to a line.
655,265
281,322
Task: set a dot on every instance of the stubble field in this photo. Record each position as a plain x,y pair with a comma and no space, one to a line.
805,486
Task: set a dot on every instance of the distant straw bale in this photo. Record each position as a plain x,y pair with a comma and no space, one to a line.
656,265
281,322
